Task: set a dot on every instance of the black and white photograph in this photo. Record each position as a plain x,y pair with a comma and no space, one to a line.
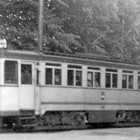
69,69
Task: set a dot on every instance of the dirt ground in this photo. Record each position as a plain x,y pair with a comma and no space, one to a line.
94,134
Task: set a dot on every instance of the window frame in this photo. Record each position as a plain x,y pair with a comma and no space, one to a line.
112,72
138,81
16,73
93,71
75,69
128,74
32,73
53,67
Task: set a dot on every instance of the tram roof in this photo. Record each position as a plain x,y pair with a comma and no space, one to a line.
77,58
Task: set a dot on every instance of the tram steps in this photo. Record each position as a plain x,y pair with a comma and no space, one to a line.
27,122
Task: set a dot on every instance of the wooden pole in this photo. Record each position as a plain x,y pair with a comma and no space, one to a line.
41,19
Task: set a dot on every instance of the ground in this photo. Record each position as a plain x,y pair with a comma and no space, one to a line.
94,134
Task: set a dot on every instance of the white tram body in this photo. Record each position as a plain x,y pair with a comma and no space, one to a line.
67,84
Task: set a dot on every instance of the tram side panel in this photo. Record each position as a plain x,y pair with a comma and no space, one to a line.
101,105
61,99
130,97
130,100
27,98
16,95
9,93
9,104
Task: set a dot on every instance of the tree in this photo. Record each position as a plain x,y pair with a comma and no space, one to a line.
110,27
19,25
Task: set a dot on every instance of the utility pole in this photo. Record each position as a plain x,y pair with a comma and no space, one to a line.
40,25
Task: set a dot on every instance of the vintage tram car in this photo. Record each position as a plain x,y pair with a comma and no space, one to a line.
42,90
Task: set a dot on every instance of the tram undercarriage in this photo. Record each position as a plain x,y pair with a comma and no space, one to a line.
70,119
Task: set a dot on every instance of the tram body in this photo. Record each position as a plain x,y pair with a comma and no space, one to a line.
100,91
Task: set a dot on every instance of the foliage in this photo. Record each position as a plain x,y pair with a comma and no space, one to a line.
19,25
110,27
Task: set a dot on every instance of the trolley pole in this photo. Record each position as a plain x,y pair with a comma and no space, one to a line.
41,19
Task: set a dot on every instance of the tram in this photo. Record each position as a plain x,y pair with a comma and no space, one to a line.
47,89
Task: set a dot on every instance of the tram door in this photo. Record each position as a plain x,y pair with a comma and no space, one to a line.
27,86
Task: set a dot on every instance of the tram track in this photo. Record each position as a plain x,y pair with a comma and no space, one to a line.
58,128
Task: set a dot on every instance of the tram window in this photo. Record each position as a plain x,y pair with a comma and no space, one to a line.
90,79
130,82
49,76
53,76
111,78
97,79
114,80
37,76
11,72
124,81
70,76
127,81
138,82
74,77
26,74
78,78
57,77
108,80
93,79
